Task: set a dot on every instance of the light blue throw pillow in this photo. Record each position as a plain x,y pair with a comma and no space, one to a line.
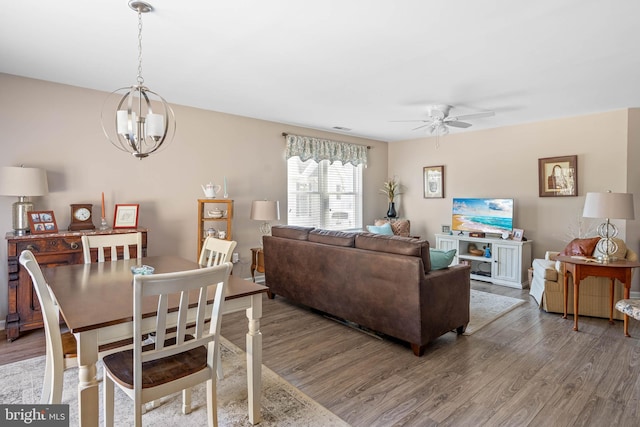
381,229
441,259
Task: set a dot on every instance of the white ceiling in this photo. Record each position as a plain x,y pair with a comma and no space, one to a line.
358,64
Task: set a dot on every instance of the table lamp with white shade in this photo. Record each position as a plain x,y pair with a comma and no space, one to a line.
265,210
23,183
609,206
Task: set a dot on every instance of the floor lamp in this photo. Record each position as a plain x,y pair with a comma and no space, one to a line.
610,206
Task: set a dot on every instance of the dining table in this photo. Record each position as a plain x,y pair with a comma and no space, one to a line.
96,302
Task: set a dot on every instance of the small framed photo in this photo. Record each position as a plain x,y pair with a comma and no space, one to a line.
126,216
558,176
518,234
446,229
433,178
42,222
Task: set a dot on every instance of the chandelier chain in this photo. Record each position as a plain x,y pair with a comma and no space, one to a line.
140,78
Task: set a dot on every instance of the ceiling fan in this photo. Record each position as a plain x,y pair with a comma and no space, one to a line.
439,119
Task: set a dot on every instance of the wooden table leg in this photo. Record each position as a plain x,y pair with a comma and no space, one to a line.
566,293
88,397
627,293
576,296
611,286
254,359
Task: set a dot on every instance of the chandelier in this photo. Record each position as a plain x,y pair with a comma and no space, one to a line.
128,118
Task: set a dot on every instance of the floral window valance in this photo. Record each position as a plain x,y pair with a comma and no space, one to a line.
318,149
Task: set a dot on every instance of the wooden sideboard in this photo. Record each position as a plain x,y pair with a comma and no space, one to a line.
50,249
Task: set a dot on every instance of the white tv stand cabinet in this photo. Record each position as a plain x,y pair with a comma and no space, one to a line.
507,266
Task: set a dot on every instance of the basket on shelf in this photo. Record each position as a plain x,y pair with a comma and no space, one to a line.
475,251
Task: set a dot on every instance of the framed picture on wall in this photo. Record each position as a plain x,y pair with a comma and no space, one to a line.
126,216
42,222
433,178
558,176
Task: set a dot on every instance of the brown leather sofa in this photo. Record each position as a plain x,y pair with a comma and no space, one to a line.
383,283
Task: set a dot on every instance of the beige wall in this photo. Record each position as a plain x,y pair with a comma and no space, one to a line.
503,162
57,127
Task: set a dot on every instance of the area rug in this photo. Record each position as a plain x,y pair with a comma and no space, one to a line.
282,403
486,307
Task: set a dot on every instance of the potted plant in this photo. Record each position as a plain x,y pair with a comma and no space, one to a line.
391,189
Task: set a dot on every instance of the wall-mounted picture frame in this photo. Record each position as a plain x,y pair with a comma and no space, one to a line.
558,176
433,179
42,222
126,216
518,234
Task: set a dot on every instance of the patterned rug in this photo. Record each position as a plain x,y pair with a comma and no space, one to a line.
282,403
486,307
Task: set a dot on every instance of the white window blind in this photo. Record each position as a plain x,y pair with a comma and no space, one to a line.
324,195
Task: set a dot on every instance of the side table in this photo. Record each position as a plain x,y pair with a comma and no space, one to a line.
580,268
257,262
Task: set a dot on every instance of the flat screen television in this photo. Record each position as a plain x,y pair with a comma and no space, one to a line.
482,214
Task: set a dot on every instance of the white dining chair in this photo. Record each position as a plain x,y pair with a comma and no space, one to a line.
112,242
60,349
216,251
147,373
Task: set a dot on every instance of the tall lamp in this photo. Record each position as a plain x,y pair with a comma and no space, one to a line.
265,210
610,206
23,183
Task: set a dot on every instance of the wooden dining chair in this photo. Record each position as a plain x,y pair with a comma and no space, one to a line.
147,373
216,251
60,349
112,242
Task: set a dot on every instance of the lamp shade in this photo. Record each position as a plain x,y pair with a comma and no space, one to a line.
265,210
19,181
609,205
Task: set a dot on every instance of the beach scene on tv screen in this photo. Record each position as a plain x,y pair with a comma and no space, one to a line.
486,215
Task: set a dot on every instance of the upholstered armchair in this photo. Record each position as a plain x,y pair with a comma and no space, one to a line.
548,283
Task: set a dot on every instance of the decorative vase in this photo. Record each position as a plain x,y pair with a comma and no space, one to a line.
391,213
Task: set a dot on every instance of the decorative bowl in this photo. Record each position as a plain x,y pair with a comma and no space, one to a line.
142,269
215,214
476,252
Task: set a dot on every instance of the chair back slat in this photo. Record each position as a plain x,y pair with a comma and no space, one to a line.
169,286
112,242
216,251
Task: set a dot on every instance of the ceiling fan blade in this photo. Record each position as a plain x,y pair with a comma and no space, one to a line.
423,126
462,125
405,121
471,116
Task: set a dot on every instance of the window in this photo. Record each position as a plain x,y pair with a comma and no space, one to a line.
324,195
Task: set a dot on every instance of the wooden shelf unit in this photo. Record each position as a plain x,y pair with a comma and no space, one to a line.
220,224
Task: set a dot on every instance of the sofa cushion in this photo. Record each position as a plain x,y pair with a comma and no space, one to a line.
583,247
332,237
381,229
441,259
291,232
396,245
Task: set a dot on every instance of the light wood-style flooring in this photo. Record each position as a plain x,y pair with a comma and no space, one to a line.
527,368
